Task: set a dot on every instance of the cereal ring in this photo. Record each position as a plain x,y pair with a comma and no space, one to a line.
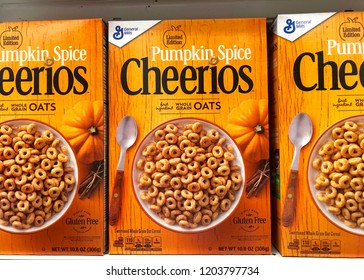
54,192
165,180
37,202
344,151
31,128
38,221
197,127
186,194
182,169
355,150
346,213
351,205
48,136
20,195
52,153
213,134
221,191
6,140
327,149
206,220
359,196
350,125
340,200
189,204
341,164
56,172
16,170
344,181
206,172
159,135
357,184
62,157
4,204
6,129
9,184
40,174
337,133
350,224
23,205
223,170
9,153
225,204
28,138
327,167
334,210
171,203
350,136
173,151
193,187
171,128
204,182
39,143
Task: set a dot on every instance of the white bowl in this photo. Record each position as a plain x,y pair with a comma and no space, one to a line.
136,174
312,172
71,163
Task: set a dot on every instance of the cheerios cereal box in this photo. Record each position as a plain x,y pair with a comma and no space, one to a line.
317,127
188,135
52,127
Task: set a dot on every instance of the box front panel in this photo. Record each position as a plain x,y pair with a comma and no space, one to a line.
52,79
320,74
180,73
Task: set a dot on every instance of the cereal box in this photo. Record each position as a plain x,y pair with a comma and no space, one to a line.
317,131
52,87
188,137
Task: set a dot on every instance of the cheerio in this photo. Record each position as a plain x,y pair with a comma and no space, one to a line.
52,78
317,71
197,171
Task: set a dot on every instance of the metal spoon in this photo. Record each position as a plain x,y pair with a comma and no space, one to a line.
126,134
300,133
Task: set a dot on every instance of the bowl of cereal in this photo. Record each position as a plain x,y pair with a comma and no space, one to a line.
188,175
336,174
38,175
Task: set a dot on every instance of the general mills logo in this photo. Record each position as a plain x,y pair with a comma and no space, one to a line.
290,27
119,33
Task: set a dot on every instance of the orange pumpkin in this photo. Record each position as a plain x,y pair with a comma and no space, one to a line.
83,127
248,126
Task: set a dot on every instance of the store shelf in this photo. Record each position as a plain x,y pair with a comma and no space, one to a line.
14,10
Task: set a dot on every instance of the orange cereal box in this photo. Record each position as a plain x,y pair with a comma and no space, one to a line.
317,118
52,88
188,135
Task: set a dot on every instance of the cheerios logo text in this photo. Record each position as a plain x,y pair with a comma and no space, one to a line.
211,78
50,76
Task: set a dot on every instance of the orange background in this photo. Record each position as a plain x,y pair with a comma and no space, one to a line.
210,34
80,34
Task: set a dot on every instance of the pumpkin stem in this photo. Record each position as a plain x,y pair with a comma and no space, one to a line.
93,130
259,129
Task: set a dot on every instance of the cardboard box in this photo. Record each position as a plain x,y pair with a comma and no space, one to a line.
177,77
52,87
317,71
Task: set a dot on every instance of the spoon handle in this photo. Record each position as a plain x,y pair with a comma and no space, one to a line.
115,202
289,207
